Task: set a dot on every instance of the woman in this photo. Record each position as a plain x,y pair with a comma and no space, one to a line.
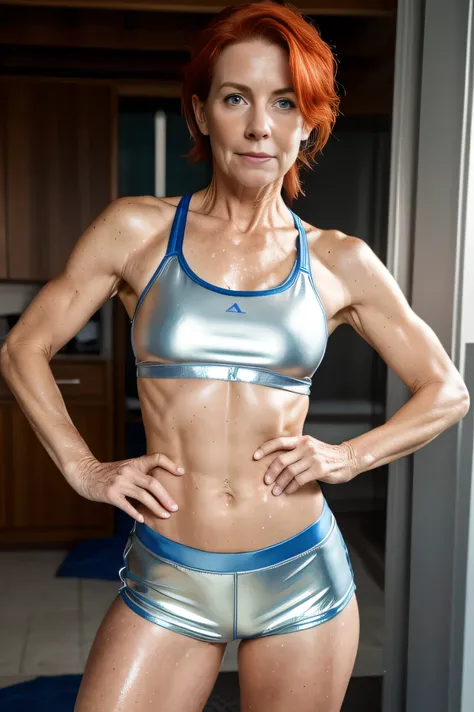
232,299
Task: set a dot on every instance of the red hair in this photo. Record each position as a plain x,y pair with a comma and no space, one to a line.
312,66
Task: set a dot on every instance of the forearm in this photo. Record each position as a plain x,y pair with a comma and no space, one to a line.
428,412
29,376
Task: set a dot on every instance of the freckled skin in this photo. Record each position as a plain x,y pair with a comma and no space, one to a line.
212,428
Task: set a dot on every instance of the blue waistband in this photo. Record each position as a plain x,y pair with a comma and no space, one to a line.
221,562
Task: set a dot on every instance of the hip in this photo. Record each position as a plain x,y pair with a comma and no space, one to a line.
295,584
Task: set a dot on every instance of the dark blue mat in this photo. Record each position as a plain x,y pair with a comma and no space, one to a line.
43,694
58,694
99,558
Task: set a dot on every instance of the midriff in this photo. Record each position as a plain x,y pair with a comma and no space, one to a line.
212,428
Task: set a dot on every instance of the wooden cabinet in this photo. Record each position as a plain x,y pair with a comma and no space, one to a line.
38,505
3,217
3,440
57,170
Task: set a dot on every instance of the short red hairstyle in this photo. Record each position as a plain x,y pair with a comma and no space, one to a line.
312,66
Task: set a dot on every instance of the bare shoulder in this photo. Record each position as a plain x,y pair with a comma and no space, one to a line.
364,279
136,212
329,250
131,223
334,248
379,312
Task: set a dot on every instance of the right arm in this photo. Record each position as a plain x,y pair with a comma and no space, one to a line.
61,308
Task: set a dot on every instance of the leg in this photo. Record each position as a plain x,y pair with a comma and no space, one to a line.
308,670
137,665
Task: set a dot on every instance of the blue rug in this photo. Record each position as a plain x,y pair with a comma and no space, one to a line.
99,558
43,694
58,694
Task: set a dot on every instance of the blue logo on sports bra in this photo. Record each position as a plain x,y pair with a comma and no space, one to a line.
235,308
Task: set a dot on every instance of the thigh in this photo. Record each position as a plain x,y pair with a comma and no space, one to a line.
308,670
135,664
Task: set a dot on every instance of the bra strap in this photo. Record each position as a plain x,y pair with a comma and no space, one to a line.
303,242
177,228
175,241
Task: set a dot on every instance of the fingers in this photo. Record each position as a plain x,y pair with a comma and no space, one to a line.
281,443
289,474
158,459
130,482
148,484
283,461
148,500
123,504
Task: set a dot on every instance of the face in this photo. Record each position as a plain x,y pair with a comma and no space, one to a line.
247,111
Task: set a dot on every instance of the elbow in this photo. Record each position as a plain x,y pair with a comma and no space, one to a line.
8,354
459,399
4,358
464,402
6,361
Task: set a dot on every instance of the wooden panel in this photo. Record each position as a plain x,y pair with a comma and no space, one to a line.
3,168
3,463
76,379
80,379
165,32
5,392
58,170
323,7
41,499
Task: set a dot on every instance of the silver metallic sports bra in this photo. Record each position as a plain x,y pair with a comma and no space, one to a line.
184,327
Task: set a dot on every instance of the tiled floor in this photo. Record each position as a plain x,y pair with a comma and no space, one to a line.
48,624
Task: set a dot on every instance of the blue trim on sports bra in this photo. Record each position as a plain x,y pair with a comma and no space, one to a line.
175,245
307,269
178,249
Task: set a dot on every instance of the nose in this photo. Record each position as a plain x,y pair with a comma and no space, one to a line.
258,126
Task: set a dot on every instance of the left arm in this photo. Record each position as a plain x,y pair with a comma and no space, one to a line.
381,315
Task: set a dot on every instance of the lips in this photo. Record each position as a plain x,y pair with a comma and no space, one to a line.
256,155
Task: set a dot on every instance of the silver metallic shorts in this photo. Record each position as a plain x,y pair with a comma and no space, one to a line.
218,597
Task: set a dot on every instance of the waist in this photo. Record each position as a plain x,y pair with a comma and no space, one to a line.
307,538
218,521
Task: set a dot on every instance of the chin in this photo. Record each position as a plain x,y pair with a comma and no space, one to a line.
250,179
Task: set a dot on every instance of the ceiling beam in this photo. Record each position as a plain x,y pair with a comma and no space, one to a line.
167,32
366,8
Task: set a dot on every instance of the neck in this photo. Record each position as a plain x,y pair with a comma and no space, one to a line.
250,210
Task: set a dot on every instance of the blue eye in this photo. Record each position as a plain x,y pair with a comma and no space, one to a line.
232,96
292,106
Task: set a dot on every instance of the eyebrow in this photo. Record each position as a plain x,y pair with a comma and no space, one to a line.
243,87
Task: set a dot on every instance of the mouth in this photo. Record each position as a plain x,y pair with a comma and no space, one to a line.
255,157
